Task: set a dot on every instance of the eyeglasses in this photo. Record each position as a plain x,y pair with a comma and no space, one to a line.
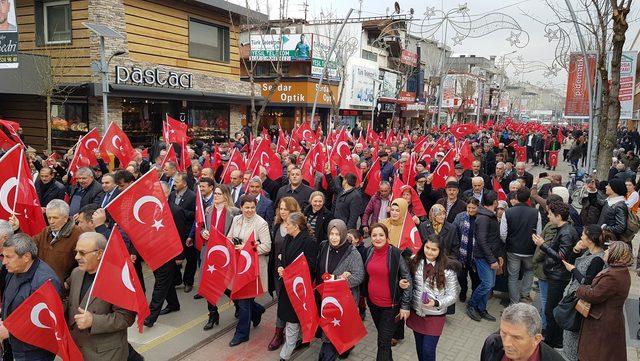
83,253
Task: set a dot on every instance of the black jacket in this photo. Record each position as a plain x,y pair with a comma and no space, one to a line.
458,207
522,221
488,244
56,190
348,205
615,216
187,204
93,194
398,270
322,221
447,237
300,194
465,181
494,351
558,249
303,243
528,178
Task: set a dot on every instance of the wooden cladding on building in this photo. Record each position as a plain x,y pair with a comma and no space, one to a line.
158,33
70,63
31,113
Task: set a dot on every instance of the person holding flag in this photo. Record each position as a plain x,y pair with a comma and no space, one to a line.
94,322
26,273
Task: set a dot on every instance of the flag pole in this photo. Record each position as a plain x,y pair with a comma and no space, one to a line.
115,229
15,197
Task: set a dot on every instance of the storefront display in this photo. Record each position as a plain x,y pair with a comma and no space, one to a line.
208,121
69,121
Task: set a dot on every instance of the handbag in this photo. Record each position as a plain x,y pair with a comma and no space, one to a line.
583,307
566,314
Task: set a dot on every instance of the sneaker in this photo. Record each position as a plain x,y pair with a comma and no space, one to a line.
485,315
473,314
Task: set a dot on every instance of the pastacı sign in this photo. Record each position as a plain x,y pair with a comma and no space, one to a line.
153,77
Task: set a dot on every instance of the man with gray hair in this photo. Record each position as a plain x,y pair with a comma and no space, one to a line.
26,273
476,191
264,207
94,322
520,337
87,190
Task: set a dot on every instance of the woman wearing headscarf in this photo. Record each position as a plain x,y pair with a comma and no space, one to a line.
299,240
437,225
339,259
602,335
397,211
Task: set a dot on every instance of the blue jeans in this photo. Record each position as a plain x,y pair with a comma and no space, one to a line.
480,295
249,310
543,286
426,346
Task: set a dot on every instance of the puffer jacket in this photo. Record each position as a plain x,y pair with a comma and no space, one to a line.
445,297
556,250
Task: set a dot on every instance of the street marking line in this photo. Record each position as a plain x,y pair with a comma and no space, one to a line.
179,330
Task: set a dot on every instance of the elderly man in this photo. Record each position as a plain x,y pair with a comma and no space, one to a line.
264,208
521,173
520,337
377,209
185,199
101,323
452,203
169,170
109,188
469,174
87,190
296,189
47,187
235,186
57,241
26,273
477,189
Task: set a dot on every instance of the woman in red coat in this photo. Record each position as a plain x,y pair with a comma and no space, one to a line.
607,294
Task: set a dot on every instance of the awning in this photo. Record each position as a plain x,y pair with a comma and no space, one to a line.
29,78
135,91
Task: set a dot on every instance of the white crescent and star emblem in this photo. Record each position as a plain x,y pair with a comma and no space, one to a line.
113,142
339,147
86,144
4,193
222,249
442,166
35,317
412,236
334,301
126,278
307,138
299,281
247,257
157,224
262,161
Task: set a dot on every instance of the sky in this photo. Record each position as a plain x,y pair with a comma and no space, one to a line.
537,52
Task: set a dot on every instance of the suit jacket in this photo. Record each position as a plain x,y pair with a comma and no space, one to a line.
240,194
188,206
465,181
266,210
93,194
55,191
107,338
528,178
114,194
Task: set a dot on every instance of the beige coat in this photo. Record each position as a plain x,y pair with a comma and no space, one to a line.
107,338
242,228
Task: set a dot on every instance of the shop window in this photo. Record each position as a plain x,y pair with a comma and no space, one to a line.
57,22
208,41
69,121
209,121
142,119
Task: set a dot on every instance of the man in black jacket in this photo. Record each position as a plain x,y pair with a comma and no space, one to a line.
47,187
87,190
469,174
452,203
348,199
516,227
520,337
486,250
184,198
557,275
521,173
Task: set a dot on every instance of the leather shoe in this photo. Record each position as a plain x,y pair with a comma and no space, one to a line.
214,319
256,321
473,314
236,342
148,322
485,315
167,310
188,288
197,297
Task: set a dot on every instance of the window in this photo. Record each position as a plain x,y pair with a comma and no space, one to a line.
57,22
369,55
208,41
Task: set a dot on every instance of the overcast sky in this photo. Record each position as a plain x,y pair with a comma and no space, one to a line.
538,49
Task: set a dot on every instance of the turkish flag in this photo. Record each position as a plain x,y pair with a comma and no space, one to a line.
218,268
247,282
389,139
170,157
372,136
465,155
174,131
553,158
410,237
117,281
373,179
185,160
314,162
235,162
264,156
444,170
347,166
521,152
396,188
418,208
143,213
294,146
117,143
304,132
9,134
217,159
40,322
409,172
281,144
200,220
502,196
18,195
84,155
339,317
297,282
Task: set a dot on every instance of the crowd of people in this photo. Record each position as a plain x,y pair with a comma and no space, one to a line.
514,235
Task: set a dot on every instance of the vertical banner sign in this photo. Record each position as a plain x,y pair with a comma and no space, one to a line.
577,103
627,82
8,35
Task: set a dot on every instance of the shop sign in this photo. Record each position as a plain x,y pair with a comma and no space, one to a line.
627,82
153,77
407,97
284,47
350,112
9,37
414,107
298,92
409,58
359,88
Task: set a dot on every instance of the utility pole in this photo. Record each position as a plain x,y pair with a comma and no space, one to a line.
305,9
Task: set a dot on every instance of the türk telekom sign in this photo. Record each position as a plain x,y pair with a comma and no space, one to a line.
153,77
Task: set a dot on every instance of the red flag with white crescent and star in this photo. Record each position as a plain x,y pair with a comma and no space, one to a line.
410,237
40,322
445,169
84,155
170,157
299,287
264,156
246,283
175,131
117,282
143,213
235,162
200,219
339,317
313,163
373,179
218,268
116,142
282,142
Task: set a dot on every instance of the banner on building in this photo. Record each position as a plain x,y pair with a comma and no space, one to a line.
577,102
389,85
627,82
8,35
409,58
284,47
359,89
321,45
